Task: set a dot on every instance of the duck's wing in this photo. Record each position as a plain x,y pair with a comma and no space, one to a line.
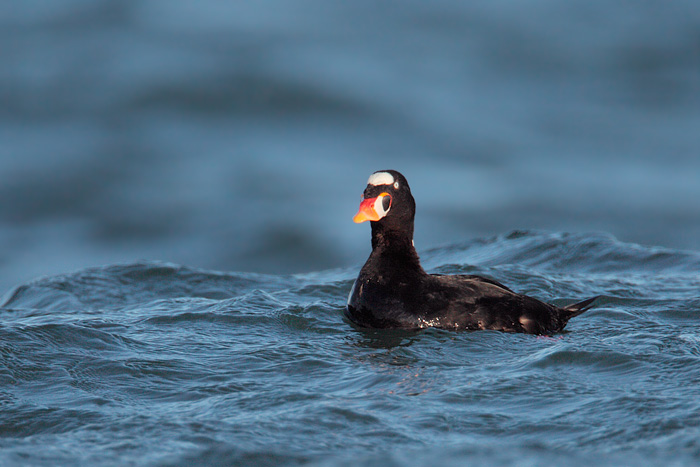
476,302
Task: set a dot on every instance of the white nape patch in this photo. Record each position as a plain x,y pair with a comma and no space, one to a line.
380,178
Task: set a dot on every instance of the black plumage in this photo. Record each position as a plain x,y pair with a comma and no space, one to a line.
393,291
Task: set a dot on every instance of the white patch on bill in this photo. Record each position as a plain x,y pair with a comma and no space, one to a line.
379,206
380,178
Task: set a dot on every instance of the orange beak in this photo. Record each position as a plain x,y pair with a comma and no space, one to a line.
366,212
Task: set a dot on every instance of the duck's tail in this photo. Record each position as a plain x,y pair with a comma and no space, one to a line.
575,309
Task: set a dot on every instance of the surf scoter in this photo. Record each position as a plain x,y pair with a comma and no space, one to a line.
393,291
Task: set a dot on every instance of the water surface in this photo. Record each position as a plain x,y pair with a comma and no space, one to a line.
157,363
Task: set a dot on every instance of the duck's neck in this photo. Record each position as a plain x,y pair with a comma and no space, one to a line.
395,247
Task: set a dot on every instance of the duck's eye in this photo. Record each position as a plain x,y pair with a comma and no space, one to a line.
396,185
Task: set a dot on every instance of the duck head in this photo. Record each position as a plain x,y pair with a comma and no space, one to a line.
387,203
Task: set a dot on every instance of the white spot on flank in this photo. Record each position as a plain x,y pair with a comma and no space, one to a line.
526,323
380,178
352,291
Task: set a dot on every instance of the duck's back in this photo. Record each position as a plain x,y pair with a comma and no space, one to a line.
476,302
449,302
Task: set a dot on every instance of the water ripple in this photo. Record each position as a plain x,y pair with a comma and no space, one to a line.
171,364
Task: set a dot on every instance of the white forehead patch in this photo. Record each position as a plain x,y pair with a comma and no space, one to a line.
380,178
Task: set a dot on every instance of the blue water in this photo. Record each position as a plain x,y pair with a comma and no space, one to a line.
146,144
156,363
239,137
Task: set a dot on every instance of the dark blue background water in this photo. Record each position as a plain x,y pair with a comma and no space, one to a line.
235,137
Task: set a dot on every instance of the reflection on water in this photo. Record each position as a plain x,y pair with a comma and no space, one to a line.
382,339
